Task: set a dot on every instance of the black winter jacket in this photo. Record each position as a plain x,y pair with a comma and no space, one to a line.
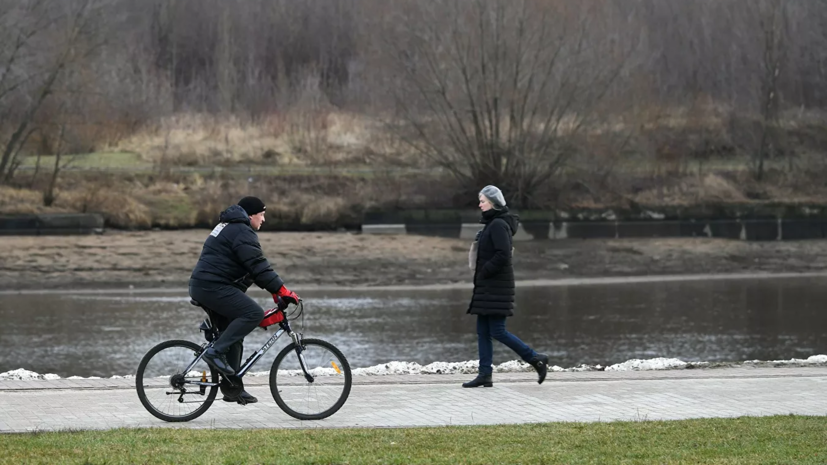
494,274
232,256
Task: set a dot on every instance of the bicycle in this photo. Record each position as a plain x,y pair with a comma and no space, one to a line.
175,384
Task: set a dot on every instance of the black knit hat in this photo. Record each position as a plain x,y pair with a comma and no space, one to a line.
252,205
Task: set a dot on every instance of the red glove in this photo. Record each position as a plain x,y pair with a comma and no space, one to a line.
287,295
271,317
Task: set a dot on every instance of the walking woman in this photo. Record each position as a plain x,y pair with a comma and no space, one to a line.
493,298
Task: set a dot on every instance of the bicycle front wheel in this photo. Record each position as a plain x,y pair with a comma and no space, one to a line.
166,390
310,400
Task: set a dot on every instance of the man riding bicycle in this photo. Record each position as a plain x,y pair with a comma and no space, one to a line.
231,261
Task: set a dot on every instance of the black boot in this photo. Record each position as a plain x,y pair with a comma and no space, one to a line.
480,380
244,399
233,389
218,361
540,363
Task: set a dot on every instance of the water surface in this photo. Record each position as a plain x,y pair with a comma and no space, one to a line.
713,320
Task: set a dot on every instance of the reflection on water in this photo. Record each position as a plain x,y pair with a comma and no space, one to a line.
728,320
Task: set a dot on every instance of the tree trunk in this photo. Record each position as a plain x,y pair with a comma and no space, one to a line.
49,195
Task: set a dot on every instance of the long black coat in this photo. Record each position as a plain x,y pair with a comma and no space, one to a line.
494,274
232,256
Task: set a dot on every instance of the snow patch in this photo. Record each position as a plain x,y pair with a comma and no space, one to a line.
390,368
659,363
472,366
812,360
21,374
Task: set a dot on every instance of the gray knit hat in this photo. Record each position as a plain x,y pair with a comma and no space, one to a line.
494,195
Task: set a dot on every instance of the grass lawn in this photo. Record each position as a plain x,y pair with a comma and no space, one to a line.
132,163
780,439
129,162
89,161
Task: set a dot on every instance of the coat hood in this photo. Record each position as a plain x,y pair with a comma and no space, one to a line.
510,219
234,214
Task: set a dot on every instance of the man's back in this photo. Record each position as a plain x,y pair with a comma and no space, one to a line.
232,255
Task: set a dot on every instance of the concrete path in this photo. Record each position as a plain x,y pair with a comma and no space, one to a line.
438,400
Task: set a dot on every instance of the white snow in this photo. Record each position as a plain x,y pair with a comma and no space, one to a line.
25,375
814,359
390,368
469,367
659,363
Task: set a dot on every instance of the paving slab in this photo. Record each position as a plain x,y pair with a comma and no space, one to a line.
438,400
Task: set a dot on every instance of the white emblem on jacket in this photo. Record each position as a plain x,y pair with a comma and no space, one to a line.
217,230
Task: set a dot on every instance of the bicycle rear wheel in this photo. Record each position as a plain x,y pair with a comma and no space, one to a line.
314,400
166,391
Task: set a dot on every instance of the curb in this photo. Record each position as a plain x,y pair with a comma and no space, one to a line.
8,386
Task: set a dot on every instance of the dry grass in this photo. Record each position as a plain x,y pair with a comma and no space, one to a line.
298,137
184,201
21,201
712,188
677,156
329,201
119,206
194,139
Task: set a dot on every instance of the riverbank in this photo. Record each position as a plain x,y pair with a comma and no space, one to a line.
158,259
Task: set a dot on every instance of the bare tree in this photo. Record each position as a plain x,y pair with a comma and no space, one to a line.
773,22
307,120
490,90
498,91
49,36
49,194
19,24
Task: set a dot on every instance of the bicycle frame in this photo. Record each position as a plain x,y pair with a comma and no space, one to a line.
284,327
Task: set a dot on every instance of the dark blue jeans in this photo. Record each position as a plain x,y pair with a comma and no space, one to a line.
489,327
242,312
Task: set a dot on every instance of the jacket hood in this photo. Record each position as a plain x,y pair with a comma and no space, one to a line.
234,214
510,219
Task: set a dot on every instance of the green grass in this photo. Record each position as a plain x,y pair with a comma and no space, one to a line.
91,161
782,439
132,163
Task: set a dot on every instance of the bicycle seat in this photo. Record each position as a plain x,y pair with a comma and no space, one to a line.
202,307
207,325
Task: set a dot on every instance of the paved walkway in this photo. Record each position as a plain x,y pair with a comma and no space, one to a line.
438,400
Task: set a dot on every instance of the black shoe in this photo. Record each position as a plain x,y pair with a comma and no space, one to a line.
244,399
480,380
218,361
540,363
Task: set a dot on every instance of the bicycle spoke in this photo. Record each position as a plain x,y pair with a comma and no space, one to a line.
166,391
303,399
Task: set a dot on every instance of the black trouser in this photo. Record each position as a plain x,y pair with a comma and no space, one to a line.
242,313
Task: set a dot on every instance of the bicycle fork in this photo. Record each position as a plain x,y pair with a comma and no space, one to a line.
297,340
